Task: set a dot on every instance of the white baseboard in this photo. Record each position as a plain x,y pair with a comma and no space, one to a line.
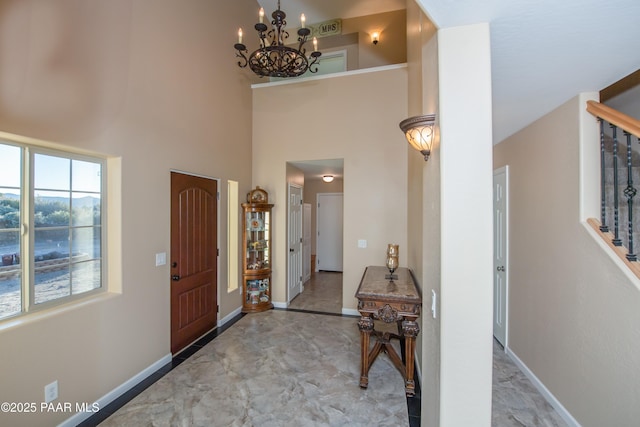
117,392
562,411
229,316
280,304
350,311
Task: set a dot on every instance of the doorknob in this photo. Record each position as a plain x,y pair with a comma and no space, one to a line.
501,268
290,249
175,277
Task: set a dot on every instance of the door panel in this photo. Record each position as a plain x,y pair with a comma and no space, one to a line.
295,241
193,258
329,228
500,241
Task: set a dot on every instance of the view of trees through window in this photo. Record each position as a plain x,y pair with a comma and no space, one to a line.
65,229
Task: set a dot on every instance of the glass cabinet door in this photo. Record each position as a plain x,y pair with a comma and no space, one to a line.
257,291
257,240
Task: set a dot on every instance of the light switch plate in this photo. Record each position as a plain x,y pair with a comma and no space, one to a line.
362,243
161,259
434,299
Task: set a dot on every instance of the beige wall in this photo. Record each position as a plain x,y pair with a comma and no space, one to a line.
423,209
142,81
391,49
573,312
338,117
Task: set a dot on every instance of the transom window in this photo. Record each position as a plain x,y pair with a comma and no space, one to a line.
51,227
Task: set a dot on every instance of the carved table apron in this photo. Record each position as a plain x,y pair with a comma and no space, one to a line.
397,301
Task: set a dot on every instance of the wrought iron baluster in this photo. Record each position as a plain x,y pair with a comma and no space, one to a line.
616,229
603,216
630,193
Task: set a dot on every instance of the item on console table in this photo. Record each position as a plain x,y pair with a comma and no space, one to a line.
392,260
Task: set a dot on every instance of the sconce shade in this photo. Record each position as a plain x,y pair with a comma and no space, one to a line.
327,178
419,132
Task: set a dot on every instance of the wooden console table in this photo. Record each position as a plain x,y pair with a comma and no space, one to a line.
390,301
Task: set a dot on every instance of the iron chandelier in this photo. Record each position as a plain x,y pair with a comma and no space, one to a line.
273,58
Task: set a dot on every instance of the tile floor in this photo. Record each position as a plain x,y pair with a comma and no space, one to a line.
244,377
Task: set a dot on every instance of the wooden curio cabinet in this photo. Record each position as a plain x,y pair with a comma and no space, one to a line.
256,244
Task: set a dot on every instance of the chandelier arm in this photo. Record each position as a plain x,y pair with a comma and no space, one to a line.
241,50
313,66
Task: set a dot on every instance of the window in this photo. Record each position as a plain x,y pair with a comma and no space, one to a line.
232,235
51,227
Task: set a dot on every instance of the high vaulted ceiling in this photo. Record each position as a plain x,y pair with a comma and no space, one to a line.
544,52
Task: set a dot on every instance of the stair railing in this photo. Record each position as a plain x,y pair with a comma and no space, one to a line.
630,128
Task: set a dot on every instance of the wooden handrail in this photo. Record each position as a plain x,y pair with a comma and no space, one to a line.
614,117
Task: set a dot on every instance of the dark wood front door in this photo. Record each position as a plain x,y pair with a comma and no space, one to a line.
193,258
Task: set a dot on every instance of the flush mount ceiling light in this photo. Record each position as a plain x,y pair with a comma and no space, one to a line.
419,132
327,178
273,58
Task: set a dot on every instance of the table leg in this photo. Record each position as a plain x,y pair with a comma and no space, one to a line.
365,324
410,330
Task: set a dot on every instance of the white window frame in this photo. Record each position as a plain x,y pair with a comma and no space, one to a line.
27,229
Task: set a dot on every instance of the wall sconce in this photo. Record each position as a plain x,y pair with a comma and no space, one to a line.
375,37
419,132
327,178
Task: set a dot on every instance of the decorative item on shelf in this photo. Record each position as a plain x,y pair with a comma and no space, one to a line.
392,261
273,58
419,131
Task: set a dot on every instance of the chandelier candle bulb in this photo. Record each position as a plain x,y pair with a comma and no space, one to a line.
261,14
315,44
239,35
303,20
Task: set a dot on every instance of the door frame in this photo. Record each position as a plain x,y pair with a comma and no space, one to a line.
219,197
504,170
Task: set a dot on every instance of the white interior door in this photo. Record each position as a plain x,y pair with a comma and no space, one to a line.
500,253
329,228
306,243
294,277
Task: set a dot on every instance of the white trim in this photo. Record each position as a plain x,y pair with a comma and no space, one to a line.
229,316
350,311
330,76
118,391
280,304
549,397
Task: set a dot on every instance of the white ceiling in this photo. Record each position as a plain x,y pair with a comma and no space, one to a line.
315,169
544,52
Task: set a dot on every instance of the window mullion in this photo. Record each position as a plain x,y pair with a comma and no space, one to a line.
26,238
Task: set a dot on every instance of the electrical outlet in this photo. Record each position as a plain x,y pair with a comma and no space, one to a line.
51,392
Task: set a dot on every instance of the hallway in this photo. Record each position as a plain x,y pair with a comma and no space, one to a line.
323,293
